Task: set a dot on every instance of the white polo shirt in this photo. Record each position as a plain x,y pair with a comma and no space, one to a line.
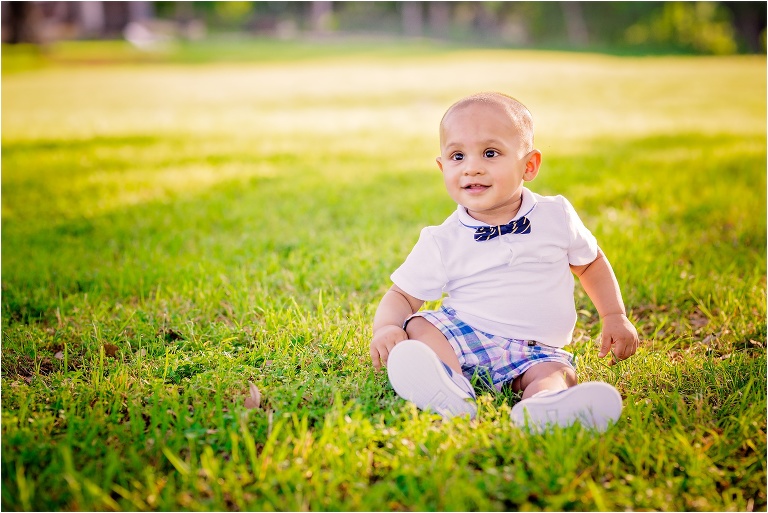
516,285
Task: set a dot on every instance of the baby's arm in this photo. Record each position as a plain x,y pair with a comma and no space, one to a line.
601,286
395,307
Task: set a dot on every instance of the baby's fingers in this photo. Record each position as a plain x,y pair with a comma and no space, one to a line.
380,354
375,358
625,349
606,341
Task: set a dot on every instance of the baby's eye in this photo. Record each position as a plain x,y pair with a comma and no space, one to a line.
457,156
490,154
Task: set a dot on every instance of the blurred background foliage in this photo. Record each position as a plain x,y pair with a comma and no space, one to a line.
718,28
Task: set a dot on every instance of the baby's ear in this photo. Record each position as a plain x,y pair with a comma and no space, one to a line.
439,161
532,165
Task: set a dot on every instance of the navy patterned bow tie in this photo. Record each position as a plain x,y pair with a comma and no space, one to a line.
520,225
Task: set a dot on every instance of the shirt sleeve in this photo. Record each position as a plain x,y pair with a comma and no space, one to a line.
422,275
582,249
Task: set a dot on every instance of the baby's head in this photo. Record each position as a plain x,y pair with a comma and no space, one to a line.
519,116
486,153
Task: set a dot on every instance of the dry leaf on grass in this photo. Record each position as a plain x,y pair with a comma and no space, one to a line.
59,355
254,400
110,350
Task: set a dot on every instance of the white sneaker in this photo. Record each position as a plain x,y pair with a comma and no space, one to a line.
596,405
418,376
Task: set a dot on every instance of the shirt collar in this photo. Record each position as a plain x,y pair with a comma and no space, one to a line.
528,204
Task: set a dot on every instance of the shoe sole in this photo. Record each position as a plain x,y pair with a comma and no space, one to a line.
418,376
595,405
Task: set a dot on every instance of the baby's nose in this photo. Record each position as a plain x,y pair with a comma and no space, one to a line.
474,167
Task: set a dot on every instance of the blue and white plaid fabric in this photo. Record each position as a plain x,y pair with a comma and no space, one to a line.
495,360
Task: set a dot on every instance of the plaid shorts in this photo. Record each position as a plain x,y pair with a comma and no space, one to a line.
495,360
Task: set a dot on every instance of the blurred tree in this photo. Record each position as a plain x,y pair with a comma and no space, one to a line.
21,22
544,21
575,25
233,14
141,11
367,17
321,16
439,16
608,21
485,22
704,27
749,20
413,19
92,19
477,21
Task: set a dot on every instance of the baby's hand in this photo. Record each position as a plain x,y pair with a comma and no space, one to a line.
620,335
383,341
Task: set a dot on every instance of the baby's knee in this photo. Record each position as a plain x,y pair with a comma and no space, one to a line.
555,370
550,373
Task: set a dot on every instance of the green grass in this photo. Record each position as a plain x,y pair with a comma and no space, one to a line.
172,232
216,49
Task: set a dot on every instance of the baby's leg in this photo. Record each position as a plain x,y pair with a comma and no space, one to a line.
422,330
551,397
552,376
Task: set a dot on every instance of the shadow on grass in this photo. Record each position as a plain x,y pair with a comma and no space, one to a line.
311,226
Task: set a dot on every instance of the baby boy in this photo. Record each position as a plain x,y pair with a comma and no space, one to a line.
505,259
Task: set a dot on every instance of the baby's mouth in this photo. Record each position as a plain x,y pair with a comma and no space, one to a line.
475,187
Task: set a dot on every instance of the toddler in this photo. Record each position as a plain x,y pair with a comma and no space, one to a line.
505,259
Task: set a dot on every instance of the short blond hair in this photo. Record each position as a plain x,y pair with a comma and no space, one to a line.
518,113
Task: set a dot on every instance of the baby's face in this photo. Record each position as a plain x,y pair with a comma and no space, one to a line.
484,161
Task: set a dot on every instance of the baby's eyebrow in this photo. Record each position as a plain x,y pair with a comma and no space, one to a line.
492,142
451,146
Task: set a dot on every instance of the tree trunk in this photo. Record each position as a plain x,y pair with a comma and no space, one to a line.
439,15
749,20
320,16
23,22
140,11
92,19
575,26
413,21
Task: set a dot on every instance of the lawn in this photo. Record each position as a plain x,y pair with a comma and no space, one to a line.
177,229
